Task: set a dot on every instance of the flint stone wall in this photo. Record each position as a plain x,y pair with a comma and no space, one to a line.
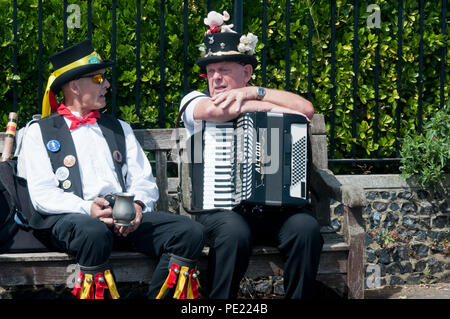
407,230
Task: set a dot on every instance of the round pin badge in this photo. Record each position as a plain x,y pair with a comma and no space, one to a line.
117,156
94,60
66,184
53,146
62,173
69,160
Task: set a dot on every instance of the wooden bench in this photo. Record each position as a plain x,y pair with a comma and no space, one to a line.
342,260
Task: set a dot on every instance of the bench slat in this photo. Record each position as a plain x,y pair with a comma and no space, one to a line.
161,180
43,268
58,268
51,256
159,139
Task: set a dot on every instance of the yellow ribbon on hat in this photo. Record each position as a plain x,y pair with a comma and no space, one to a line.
46,108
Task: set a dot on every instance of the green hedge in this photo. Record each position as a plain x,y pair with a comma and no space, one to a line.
321,13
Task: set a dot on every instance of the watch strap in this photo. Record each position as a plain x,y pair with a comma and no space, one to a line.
140,203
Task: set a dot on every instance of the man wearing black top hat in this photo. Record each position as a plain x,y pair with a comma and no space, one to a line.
76,156
228,61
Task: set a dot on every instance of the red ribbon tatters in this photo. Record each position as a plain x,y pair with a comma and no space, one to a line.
100,286
194,284
77,289
174,271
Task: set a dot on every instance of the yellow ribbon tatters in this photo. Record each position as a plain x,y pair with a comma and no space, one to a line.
181,282
193,285
184,280
111,285
86,287
46,107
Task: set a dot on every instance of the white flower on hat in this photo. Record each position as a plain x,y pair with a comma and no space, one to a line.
247,43
202,47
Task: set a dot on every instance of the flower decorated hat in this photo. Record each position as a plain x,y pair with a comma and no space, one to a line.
221,43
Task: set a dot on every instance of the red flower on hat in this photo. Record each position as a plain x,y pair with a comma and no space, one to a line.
214,29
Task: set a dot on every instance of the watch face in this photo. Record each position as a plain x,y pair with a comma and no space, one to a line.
260,92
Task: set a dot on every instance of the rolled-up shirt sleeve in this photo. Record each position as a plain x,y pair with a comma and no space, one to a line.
191,125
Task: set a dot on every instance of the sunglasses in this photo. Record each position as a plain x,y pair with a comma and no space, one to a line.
96,78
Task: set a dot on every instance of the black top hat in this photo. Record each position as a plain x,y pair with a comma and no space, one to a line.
226,46
78,60
70,64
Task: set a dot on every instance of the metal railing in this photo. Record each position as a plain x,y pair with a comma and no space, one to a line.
238,9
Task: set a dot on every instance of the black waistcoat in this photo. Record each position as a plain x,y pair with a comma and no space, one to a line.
54,127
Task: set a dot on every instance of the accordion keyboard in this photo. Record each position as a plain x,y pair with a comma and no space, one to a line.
218,185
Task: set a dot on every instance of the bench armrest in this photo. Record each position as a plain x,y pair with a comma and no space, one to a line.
326,186
325,183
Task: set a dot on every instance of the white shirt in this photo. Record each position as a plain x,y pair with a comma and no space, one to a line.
192,126
98,176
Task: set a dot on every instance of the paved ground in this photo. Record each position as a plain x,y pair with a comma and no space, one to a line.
423,291
137,291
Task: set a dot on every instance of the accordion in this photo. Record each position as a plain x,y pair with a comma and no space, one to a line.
258,159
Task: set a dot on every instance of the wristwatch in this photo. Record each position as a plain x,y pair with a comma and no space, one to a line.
260,93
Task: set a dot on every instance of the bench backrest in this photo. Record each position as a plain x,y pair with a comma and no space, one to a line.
161,143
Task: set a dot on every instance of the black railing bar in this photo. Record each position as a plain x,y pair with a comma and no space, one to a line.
310,53
363,160
185,46
15,54
377,84
161,66
209,5
287,55
114,57
65,24
333,76
420,80
40,64
238,8
264,41
399,75
443,51
355,72
89,10
138,57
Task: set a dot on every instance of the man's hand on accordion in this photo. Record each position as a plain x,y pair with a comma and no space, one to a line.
232,99
243,100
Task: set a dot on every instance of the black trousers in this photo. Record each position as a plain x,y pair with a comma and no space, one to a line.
231,236
159,234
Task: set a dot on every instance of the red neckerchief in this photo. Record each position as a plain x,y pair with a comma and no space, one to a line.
90,118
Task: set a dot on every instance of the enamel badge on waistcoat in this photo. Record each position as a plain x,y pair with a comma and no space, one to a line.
62,152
